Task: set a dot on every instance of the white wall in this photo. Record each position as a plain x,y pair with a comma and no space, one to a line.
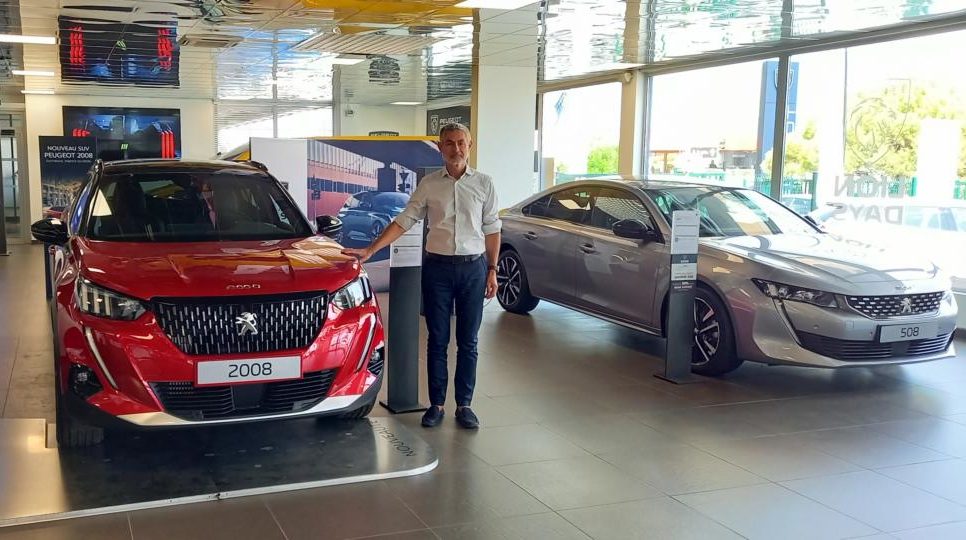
44,116
366,118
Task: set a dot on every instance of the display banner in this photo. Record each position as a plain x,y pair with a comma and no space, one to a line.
437,118
64,162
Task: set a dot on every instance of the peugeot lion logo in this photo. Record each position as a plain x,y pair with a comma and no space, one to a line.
246,324
906,305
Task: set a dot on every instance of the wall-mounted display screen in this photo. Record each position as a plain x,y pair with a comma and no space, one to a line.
125,133
144,54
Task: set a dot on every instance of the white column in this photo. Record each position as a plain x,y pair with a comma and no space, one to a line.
504,103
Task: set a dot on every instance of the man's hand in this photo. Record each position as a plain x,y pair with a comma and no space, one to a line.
491,285
362,254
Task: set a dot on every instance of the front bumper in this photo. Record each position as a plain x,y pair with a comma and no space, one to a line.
133,361
796,333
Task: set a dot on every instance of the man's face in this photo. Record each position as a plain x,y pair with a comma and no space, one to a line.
455,147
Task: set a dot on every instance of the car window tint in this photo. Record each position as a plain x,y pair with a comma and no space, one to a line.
613,205
730,212
571,205
187,207
537,208
76,213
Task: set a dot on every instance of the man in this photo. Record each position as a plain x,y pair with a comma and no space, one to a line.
460,265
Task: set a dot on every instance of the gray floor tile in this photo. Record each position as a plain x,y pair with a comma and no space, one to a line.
933,433
681,470
944,478
659,519
111,527
639,398
342,512
948,531
228,519
610,432
462,497
703,424
422,534
520,444
881,502
777,459
574,483
554,406
770,511
865,447
533,527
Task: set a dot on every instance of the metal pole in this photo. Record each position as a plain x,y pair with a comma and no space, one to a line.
781,110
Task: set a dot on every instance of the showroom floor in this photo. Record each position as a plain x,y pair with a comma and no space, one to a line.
580,440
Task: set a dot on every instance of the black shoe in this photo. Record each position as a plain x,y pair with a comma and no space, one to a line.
466,419
433,416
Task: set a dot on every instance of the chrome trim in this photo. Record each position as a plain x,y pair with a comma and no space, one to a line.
365,350
159,419
97,356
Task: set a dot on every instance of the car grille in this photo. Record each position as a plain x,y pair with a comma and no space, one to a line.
185,400
884,307
211,326
870,351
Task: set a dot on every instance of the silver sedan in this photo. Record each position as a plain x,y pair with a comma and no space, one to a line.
771,288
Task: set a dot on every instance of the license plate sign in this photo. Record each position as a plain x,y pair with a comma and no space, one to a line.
908,332
248,370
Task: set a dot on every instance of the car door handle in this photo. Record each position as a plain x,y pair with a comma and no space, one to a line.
530,235
588,248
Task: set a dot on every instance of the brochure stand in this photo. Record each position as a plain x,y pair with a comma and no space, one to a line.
680,316
405,273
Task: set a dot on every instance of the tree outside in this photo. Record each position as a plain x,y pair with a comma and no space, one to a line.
602,160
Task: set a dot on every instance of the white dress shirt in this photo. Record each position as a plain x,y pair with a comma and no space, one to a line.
461,211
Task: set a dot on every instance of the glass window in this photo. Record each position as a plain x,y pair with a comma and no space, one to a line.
182,207
715,125
613,205
581,131
571,205
880,133
730,212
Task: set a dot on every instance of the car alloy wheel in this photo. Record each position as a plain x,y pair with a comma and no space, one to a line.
509,281
707,331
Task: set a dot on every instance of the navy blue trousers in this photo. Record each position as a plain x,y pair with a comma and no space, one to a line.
443,284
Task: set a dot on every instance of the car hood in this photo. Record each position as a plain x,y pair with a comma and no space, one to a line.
148,270
824,256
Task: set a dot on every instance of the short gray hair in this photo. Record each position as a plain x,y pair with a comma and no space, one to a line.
454,126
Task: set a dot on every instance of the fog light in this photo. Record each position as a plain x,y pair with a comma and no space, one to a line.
377,361
83,381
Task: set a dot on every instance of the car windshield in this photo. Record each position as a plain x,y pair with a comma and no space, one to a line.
730,212
193,207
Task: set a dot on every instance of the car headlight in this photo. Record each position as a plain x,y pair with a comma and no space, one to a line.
353,295
797,294
108,304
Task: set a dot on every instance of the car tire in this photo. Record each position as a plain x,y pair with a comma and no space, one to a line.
71,432
713,353
360,412
513,289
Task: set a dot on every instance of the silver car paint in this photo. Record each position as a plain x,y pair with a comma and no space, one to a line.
626,282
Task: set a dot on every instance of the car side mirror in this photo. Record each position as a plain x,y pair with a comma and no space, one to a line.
634,230
50,231
328,225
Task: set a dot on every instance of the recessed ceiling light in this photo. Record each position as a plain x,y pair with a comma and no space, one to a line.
406,103
347,61
44,92
494,4
36,40
615,65
29,73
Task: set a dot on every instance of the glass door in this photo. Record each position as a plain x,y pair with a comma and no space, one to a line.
11,131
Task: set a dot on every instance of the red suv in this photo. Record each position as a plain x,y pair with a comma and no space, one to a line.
196,293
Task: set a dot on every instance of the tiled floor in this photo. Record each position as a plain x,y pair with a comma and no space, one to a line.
580,440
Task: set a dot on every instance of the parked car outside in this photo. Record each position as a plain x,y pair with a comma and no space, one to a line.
771,287
196,293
